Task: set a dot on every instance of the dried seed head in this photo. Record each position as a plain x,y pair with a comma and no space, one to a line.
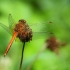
24,31
53,44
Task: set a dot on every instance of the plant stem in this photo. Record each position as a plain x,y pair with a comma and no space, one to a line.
22,56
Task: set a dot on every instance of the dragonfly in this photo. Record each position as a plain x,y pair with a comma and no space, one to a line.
24,32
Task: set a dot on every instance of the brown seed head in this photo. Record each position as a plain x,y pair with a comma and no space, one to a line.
24,31
53,44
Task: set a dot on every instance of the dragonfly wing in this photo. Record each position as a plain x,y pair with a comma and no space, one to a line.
11,21
42,27
39,35
6,28
41,30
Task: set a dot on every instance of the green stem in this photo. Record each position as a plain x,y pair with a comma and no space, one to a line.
22,56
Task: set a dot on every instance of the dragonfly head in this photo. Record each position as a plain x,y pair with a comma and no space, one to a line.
22,21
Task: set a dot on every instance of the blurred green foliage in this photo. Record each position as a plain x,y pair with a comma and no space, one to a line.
36,11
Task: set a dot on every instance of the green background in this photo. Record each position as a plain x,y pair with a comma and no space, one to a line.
36,11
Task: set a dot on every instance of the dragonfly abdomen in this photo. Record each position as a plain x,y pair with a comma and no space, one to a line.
9,45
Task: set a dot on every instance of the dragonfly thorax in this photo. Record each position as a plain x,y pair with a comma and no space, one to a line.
24,32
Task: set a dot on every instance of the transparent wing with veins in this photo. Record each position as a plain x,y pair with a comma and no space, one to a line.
41,29
11,25
6,28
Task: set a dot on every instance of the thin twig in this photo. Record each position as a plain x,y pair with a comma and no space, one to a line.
22,56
